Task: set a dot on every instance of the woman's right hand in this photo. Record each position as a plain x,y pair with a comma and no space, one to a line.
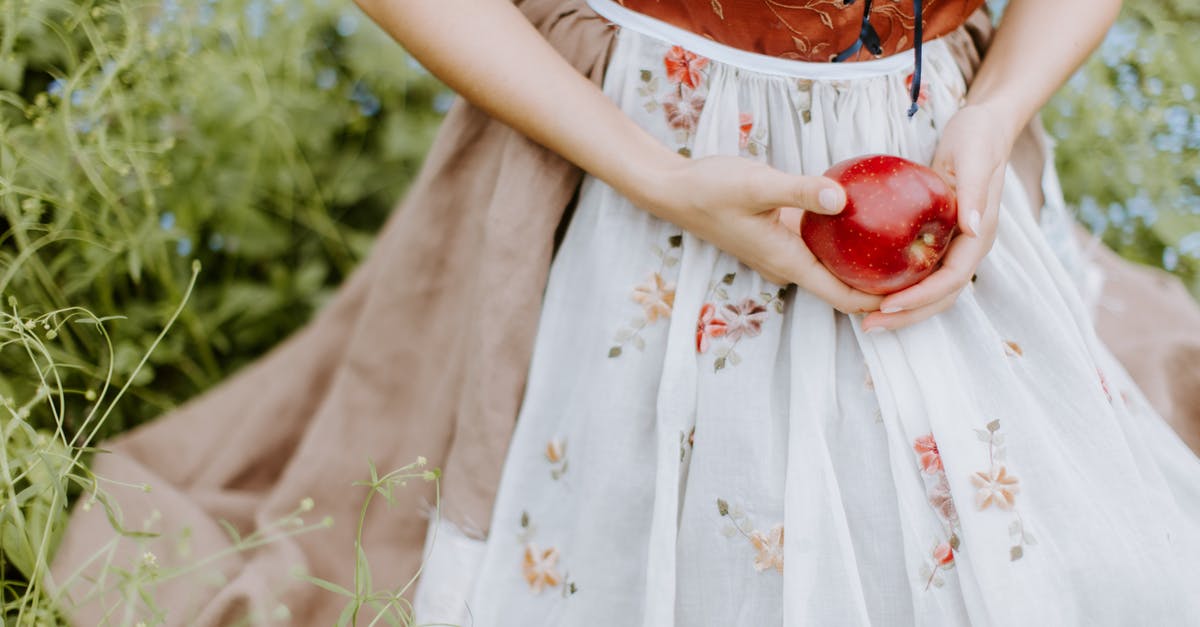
752,211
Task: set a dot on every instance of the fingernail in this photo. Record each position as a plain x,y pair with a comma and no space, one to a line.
828,199
891,310
973,222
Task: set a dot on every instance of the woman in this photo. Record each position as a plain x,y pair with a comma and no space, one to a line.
424,352
957,454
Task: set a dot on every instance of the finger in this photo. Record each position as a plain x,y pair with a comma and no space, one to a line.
961,260
972,185
817,280
768,188
789,217
891,322
943,164
958,266
784,254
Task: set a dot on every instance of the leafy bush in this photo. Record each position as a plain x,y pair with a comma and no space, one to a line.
1128,125
269,140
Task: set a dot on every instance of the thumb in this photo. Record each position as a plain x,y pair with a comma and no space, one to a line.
971,189
774,189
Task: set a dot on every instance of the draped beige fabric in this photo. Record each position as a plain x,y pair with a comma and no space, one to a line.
424,352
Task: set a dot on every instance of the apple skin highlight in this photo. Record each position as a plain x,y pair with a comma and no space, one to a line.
897,224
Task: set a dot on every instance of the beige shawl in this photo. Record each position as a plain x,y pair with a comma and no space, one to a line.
423,352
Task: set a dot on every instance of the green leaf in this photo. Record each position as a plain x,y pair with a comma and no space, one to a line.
614,351
347,614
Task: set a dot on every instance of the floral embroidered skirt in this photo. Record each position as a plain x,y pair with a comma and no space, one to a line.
700,447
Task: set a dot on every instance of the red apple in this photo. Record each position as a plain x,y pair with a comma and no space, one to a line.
897,224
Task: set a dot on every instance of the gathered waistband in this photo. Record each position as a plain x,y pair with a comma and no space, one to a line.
722,53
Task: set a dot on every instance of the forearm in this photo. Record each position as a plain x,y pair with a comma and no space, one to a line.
487,51
1036,48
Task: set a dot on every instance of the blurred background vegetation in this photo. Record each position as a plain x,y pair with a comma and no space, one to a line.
269,140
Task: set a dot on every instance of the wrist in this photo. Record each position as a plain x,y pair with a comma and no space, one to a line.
1006,117
647,179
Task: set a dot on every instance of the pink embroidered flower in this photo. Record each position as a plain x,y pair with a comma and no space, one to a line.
538,567
928,455
996,487
683,66
708,326
745,125
943,502
683,110
745,318
943,554
770,549
924,97
656,297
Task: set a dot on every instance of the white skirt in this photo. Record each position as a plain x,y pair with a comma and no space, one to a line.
698,446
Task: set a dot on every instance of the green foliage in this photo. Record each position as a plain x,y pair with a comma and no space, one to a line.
267,139
1129,137
39,470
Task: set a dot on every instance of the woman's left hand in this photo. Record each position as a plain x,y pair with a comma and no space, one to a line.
972,155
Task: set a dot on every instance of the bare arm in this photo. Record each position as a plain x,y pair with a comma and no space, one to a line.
489,53
1036,48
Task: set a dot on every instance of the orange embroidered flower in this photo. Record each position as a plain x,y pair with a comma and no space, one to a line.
770,549
708,326
745,125
683,66
943,554
556,450
683,110
996,487
539,567
656,296
924,97
928,455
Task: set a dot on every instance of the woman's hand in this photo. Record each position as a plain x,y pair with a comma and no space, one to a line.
972,155
752,211
1036,47
488,52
